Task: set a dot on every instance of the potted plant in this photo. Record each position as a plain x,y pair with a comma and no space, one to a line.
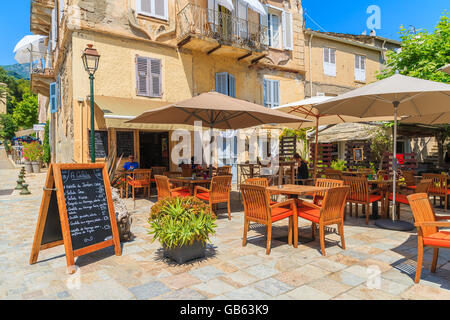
32,153
182,225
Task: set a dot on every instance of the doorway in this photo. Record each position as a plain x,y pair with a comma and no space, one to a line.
153,149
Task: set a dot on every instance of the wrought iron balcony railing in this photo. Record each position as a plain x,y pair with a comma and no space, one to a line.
226,28
42,64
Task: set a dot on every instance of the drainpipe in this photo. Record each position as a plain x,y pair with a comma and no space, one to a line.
310,66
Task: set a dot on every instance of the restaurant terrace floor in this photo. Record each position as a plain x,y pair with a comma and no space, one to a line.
377,263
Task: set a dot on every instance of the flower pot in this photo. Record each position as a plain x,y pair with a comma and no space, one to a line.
28,167
186,253
36,166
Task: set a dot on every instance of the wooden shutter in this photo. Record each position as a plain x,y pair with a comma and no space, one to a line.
263,20
155,78
58,97
53,92
329,61
54,28
142,77
231,86
271,93
222,83
287,31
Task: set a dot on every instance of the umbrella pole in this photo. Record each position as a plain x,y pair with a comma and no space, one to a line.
316,149
210,151
386,223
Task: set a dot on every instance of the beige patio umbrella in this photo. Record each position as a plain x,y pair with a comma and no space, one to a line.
215,110
399,95
305,108
436,118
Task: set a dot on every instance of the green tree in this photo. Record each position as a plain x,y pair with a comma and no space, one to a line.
8,127
422,53
25,112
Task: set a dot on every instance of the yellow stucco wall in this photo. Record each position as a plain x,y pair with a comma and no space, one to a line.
345,62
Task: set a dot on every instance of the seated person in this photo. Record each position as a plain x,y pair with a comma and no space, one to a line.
130,165
302,172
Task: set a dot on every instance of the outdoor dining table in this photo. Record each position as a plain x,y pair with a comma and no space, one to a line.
383,187
192,182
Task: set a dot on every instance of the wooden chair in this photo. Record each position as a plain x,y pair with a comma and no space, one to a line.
139,179
333,174
257,209
331,212
326,183
164,189
258,182
439,187
410,181
359,194
219,192
422,187
428,233
223,170
186,170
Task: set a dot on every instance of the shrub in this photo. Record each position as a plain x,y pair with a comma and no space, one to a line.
32,151
180,221
46,145
339,165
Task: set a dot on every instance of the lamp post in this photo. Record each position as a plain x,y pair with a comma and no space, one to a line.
90,60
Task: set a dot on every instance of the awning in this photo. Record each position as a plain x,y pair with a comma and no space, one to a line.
119,110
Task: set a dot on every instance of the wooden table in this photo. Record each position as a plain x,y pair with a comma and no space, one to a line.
191,182
295,190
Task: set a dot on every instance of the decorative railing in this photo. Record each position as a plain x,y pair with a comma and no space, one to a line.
226,28
42,63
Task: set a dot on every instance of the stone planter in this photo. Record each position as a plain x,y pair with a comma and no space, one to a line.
186,253
36,166
28,167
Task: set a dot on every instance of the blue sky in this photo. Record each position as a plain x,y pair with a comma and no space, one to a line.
347,16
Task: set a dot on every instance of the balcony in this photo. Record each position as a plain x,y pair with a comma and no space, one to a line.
41,73
41,16
212,31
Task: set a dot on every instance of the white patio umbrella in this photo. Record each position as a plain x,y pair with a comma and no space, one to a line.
400,95
431,119
305,109
30,48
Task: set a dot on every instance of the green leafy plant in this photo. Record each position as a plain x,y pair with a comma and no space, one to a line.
179,221
32,151
380,143
46,144
339,165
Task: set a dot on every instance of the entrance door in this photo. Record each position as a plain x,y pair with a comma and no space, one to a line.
153,149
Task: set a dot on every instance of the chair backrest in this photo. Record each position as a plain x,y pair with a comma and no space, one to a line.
332,173
186,170
172,174
424,186
334,204
158,171
258,182
327,183
223,170
409,177
220,187
438,184
422,211
365,171
256,202
141,174
162,186
359,188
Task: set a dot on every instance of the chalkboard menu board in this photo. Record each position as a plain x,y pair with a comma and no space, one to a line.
101,144
76,210
87,208
125,143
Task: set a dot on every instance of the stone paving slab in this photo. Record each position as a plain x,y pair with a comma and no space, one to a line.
377,264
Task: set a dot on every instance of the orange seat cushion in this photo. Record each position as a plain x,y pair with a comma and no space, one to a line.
401,198
181,193
139,183
411,187
439,239
281,213
203,196
309,213
374,197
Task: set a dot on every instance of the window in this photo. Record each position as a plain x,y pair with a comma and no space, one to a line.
329,61
360,68
274,30
279,28
148,77
154,8
226,84
271,93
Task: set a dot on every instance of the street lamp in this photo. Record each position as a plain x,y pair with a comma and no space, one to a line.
90,60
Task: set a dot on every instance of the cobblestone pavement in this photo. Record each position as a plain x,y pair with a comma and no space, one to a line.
377,264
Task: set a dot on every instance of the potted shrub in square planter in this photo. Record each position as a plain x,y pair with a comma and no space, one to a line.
183,226
32,153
